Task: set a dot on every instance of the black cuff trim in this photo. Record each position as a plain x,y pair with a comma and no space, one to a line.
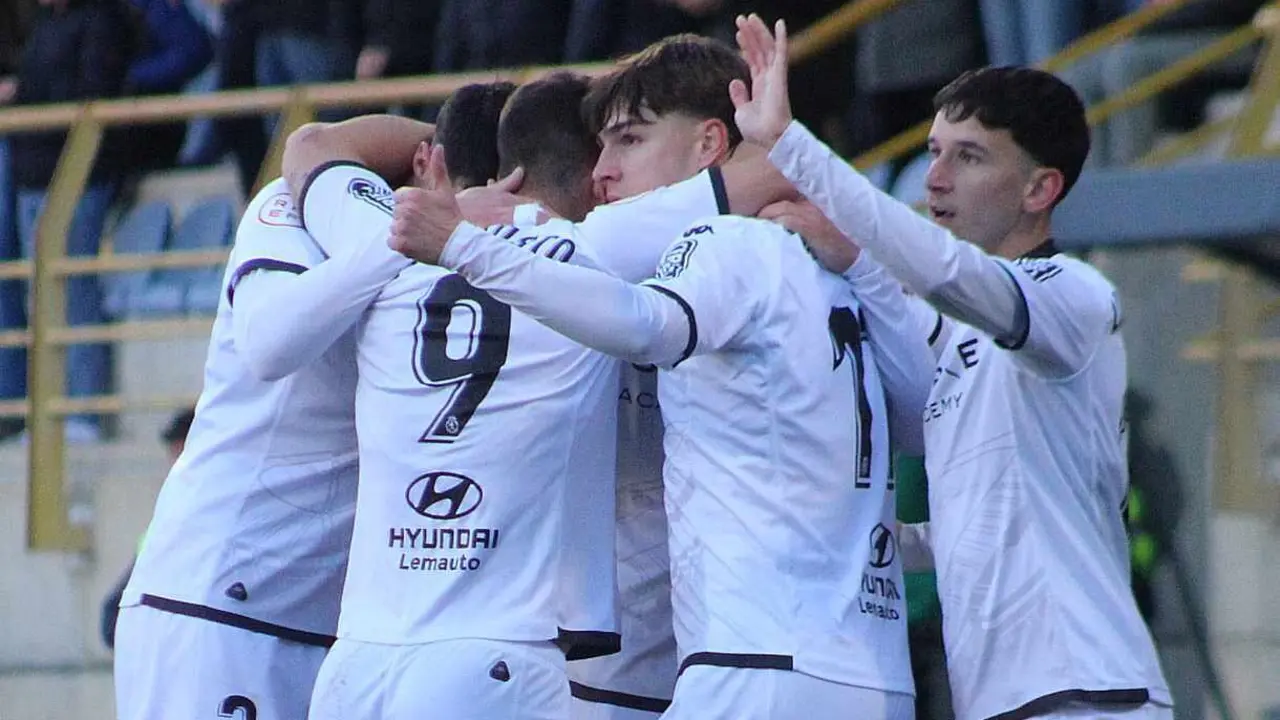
937,330
259,264
590,694
738,660
1046,704
1024,315
315,174
223,617
717,187
693,322
585,644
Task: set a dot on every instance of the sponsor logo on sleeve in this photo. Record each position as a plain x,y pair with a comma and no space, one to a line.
374,194
279,211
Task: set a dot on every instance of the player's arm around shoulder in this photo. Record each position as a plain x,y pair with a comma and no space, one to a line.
271,253
1071,309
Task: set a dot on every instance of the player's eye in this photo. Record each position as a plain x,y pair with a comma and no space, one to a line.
629,139
967,157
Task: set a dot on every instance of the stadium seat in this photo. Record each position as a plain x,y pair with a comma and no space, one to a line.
144,230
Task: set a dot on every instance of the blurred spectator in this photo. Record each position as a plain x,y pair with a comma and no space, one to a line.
175,48
484,34
608,29
13,361
903,58
306,41
1129,135
77,50
174,437
235,56
1024,32
398,38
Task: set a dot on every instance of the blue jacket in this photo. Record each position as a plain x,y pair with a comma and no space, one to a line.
175,48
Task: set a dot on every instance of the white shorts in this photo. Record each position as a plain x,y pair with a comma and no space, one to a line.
711,692
1082,711
451,680
174,666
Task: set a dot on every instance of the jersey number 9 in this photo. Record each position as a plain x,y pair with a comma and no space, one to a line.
469,366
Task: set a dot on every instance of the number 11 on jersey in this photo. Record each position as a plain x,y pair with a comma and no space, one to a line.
469,366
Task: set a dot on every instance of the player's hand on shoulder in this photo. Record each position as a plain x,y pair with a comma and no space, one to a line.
425,217
830,246
763,111
495,203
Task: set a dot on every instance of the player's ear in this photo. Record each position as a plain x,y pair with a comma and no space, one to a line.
712,142
421,163
1043,189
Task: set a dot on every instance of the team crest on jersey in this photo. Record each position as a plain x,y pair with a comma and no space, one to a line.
279,211
676,259
1040,269
374,194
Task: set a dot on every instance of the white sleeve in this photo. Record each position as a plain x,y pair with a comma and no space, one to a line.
714,276
954,276
917,552
1070,310
629,236
285,314
900,327
632,322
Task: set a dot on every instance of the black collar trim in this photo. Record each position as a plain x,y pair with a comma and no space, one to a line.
1043,250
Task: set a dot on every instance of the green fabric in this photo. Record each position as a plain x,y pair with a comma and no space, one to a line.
912,485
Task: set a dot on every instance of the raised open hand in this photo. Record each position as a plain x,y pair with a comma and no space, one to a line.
763,112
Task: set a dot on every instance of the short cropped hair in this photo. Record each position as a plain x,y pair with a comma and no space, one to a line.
543,131
1044,115
686,74
467,127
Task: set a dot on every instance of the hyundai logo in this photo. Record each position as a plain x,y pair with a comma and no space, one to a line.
884,548
444,495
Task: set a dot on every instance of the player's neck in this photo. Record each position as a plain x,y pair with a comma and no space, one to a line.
1028,235
559,202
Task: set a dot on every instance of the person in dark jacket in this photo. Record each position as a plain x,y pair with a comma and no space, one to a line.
484,34
175,48
77,50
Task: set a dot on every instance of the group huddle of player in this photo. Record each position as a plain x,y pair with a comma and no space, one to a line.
612,436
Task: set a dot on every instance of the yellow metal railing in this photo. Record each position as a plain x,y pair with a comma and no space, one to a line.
48,336
46,405
1092,43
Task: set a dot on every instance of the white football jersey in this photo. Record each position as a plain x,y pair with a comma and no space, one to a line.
626,239
778,485
252,525
1027,478
476,424
1025,456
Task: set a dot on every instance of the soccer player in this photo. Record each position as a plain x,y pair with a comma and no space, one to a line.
784,567
234,597
477,426
233,600
467,124
1024,429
